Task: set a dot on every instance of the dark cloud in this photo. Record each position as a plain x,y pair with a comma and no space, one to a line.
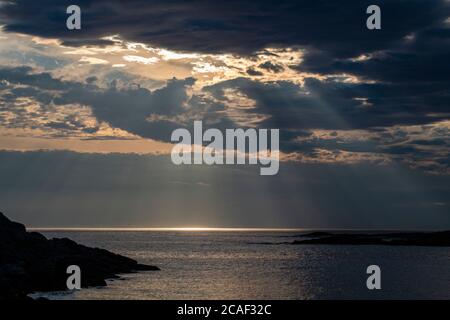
421,59
376,108
334,105
253,72
271,67
87,42
126,108
436,142
91,79
238,26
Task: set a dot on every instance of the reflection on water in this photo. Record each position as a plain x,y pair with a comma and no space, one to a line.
261,265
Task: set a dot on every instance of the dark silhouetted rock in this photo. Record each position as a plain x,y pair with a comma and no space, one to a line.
432,239
315,234
29,262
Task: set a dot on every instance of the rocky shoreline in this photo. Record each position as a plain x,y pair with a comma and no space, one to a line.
432,239
29,262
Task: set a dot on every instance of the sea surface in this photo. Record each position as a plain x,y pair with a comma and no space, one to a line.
261,265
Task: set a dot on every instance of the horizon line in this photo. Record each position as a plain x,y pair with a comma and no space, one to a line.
188,229
217,229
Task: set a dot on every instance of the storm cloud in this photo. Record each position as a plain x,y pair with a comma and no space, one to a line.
239,26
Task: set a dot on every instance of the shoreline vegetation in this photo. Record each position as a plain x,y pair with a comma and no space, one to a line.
29,262
432,239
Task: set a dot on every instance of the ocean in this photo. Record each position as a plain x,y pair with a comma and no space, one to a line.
260,265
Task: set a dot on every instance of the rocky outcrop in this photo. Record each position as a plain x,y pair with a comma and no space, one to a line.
433,239
29,262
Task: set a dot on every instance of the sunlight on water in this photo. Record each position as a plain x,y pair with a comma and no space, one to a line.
217,264
181,229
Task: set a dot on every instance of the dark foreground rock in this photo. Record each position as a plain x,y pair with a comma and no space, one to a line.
29,262
434,239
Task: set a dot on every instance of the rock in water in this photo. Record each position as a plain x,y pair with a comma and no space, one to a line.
29,262
431,239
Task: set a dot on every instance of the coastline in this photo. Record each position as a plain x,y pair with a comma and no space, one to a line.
29,262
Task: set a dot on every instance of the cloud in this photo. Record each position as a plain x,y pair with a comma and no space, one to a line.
139,59
271,66
91,60
126,108
238,26
321,115
330,104
422,59
363,115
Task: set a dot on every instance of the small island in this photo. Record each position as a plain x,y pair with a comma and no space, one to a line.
432,239
29,262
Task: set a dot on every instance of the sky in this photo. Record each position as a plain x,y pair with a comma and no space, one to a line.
86,115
